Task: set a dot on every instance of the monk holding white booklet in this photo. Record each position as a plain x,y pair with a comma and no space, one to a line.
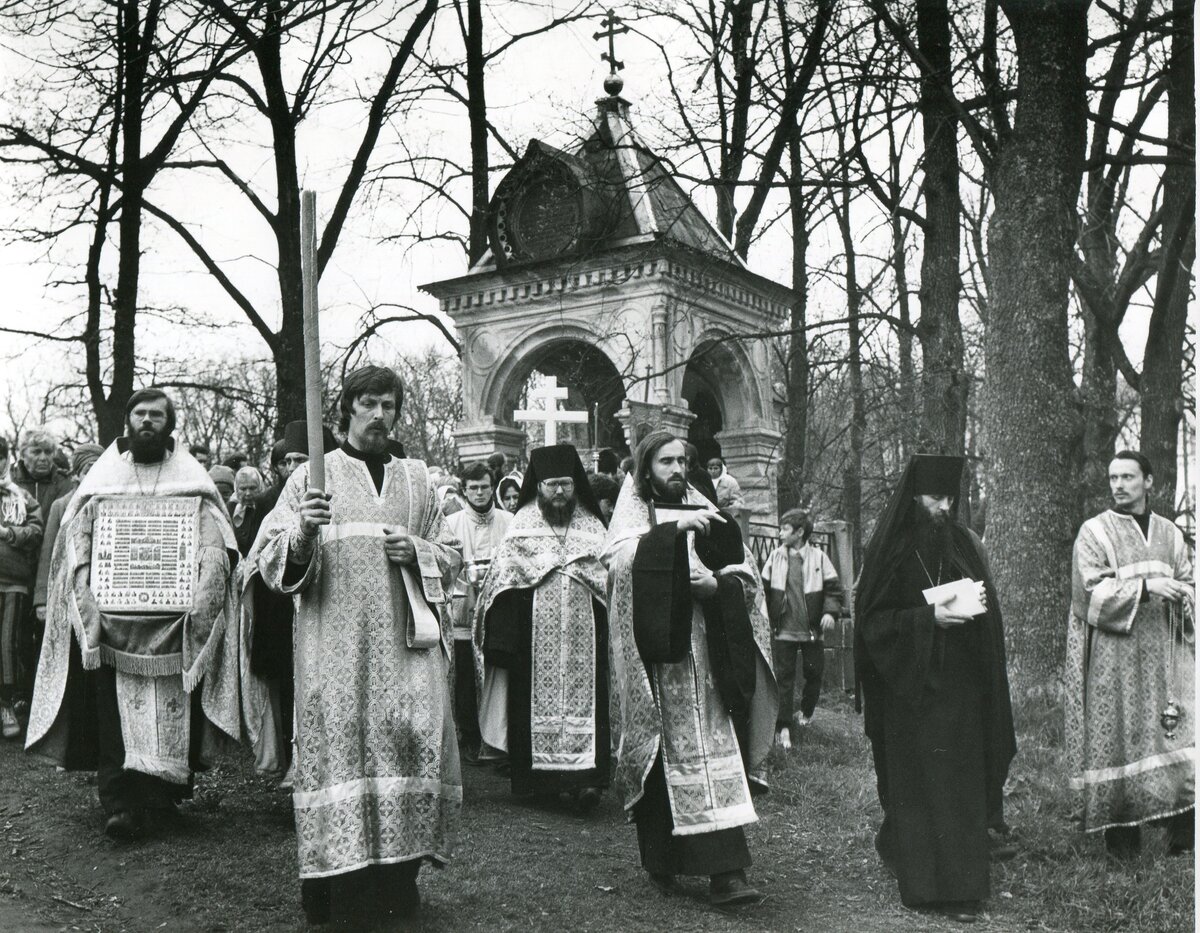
964,597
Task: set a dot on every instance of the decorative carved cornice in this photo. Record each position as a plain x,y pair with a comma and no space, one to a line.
468,296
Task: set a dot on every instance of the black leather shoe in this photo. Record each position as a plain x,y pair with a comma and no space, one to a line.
123,826
666,883
588,799
1000,848
731,888
962,913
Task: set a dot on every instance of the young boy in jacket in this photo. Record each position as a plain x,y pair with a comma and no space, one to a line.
804,597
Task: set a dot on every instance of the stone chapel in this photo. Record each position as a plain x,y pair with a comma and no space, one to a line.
603,273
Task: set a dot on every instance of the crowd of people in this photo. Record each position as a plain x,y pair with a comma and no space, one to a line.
368,633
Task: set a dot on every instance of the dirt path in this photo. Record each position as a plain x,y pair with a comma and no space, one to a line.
228,863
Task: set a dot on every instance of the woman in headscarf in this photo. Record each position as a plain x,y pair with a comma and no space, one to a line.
508,492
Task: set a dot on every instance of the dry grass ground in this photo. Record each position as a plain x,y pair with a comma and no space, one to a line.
228,863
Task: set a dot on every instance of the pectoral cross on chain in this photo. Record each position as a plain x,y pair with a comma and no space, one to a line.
550,414
610,32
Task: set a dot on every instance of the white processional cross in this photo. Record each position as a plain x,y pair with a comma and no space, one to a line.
550,414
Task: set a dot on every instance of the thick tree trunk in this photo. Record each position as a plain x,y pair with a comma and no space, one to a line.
1162,375
944,385
288,347
110,415
477,117
1031,424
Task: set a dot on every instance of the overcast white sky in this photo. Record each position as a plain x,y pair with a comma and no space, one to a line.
542,88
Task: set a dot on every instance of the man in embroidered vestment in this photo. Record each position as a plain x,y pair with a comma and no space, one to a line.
694,695
934,689
377,785
480,527
1130,655
542,620
268,700
132,693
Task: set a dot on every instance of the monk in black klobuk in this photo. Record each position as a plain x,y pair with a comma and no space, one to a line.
542,625
934,690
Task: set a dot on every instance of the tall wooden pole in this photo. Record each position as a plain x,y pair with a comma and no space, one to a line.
312,342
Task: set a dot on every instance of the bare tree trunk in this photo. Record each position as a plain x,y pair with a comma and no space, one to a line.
1162,375
1098,397
944,385
111,415
852,482
791,486
904,333
477,117
288,346
1031,425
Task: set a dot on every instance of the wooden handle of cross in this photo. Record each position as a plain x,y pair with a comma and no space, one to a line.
312,342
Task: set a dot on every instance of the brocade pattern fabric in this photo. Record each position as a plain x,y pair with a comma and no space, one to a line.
377,770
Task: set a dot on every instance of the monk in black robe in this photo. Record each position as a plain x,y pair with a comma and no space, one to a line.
934,688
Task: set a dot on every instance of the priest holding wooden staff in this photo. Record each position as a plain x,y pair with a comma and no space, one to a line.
140,657
377,787
929,656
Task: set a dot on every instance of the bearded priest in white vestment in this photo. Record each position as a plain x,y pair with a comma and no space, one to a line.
377,783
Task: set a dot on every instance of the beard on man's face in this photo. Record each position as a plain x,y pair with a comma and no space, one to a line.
147,443
671,490
931,530
557,508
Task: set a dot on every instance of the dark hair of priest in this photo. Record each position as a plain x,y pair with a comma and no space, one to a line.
152,395
797,518
475,471
604,487
607,462
647,448
1137,457
367,380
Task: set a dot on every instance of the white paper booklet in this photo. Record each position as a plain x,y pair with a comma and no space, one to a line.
961,597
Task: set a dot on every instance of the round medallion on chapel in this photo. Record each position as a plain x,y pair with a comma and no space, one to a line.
546,207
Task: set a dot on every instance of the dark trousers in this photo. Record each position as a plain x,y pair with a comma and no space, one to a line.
121,789
1181,833
466,704
14,611
357,898
664,854
812,668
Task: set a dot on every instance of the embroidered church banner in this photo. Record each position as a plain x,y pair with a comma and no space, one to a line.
144,553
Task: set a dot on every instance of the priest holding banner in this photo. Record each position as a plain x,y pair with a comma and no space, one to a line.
140,659
377,784
929,657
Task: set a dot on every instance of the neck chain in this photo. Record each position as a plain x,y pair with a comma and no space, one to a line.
138,477
926,569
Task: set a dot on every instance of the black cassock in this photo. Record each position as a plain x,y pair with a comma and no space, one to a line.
509,644
938,716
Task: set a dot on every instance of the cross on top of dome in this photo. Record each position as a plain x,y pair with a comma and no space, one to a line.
613,83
